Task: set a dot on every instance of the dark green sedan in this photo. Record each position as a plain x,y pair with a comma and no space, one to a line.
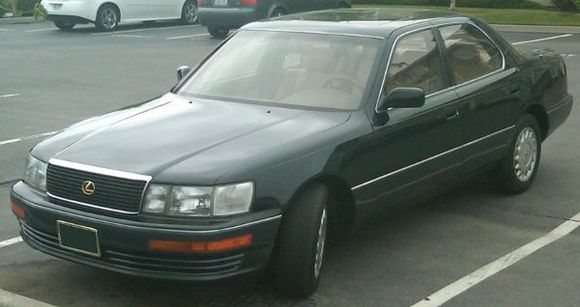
291,131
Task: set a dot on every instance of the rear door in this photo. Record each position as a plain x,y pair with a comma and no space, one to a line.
159,9
133,9
489,89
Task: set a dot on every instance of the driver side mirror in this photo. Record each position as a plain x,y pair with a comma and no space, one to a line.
400,97
403,97
182,71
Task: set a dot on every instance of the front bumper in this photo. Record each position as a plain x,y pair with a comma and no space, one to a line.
226,17
123,243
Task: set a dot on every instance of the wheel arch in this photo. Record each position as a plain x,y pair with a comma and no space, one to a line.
540,114
340,201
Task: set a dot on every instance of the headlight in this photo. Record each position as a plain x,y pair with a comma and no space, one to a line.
198,201
36,173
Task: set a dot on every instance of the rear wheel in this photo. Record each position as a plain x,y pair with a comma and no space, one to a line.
65,26
301,243
107,18
189,13
518,168
277,12
218,32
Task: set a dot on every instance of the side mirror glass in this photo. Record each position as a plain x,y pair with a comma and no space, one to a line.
403,97
182,71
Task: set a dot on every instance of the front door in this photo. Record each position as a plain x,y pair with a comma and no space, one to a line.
417,148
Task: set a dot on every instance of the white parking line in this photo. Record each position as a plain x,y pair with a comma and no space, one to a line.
187,36
131,36
7,30
9,95
27,138
143,30
440,297
10,242
542,39
10,299
41,30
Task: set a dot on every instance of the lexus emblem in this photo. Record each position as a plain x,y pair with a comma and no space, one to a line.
88,187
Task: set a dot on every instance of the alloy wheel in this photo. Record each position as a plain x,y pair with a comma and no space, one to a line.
525,154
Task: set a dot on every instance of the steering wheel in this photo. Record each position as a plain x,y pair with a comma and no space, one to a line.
338,83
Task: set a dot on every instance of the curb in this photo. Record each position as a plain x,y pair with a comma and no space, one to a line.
16,20
8,299
537,29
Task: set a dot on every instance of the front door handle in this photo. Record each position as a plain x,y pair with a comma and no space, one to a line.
452,115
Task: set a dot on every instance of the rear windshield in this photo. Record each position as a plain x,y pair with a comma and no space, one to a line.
313,70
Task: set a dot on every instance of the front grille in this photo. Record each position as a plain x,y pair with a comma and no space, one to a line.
110,193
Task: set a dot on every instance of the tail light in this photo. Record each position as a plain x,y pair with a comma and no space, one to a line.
249,2
199,2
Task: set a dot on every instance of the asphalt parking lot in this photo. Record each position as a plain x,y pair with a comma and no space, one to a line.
50,79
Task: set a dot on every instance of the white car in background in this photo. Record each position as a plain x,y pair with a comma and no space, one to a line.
108,14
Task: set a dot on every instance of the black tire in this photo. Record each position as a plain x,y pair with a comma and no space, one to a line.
510,177
108,17
277,12
189,12
218,32
65,26
342,5
297,268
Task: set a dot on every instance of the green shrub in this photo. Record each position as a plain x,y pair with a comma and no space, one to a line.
521,4
5,6
566,5
26,6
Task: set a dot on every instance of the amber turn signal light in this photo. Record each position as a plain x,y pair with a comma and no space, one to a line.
19,211
201,246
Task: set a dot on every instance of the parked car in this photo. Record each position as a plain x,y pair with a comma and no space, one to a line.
291,130
220,16
108,14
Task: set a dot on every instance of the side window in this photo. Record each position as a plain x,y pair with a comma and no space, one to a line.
416,62
471,53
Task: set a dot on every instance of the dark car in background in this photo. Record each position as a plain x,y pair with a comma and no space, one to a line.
290,130
220,16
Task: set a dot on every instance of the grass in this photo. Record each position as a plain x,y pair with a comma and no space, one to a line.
509,16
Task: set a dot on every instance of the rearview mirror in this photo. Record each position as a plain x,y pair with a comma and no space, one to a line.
403,97
182,71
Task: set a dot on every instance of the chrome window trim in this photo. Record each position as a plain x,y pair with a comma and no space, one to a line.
90,205
453,87
432,158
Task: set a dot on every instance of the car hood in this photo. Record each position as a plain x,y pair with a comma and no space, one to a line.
187,140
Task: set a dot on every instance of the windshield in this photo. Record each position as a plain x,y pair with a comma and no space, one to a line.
314,70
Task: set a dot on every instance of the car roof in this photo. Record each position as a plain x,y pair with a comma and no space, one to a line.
376,22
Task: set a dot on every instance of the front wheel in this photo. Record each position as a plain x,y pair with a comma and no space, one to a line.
218,32
301,243
518,168
65,26
107,18
189,13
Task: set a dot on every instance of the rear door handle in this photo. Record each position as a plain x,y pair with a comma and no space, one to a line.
452,115
515,92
